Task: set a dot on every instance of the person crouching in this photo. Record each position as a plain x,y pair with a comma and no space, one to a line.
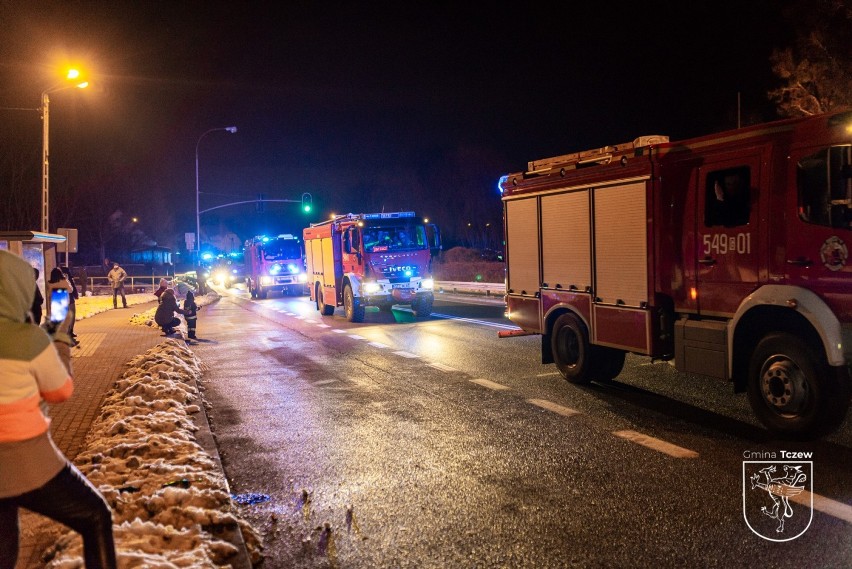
165,314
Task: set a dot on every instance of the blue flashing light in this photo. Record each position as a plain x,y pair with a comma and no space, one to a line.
265,239
408,273
275,269
207,256
293,268
500,183
394,215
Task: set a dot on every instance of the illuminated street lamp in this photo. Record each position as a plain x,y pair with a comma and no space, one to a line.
231,129
73,75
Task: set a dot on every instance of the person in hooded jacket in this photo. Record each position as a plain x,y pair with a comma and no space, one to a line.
165,314
35,367
164,284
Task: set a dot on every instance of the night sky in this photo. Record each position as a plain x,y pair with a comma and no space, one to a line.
367,105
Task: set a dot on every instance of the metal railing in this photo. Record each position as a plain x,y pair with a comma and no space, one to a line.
100,285
487,289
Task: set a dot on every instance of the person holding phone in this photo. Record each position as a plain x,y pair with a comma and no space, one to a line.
35,367
59,281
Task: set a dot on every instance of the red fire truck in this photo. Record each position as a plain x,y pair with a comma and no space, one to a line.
371,259
275,264
726,253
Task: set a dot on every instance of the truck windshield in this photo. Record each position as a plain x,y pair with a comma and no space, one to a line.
825,187
280,249
379,238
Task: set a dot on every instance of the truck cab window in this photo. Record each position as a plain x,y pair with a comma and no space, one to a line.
824,184
728,198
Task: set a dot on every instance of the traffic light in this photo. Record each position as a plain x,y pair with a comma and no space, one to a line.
307,202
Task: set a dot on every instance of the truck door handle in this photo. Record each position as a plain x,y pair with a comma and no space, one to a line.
707,261
800,261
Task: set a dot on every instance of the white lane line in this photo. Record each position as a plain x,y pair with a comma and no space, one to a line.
547,374
323,326
474,321
825,505
489,384
378,345
339,331
357,337
325,382
551,406
441,367
407,354
656,444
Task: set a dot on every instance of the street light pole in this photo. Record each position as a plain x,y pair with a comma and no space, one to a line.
45,150
45,166
231,129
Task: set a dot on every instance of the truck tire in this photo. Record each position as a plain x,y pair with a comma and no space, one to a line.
422,306
352,306
608,363
324,309
262,293
571,349
792,390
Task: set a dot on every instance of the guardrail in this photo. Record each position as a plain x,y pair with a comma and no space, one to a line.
487,289
100,285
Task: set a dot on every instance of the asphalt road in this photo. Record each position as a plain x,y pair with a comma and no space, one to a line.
432,443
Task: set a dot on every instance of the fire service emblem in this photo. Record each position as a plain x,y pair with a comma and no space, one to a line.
833,253
778,498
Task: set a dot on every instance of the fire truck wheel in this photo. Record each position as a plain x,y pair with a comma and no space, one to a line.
262,293
571,349
324,309
791,390
422,307
352,306
608,363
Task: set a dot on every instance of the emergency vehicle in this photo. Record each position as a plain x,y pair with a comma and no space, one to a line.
726,253
274,264
371,259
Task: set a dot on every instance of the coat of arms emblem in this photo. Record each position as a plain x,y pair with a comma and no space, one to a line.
778,498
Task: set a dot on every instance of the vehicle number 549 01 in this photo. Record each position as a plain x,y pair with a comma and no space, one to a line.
722,244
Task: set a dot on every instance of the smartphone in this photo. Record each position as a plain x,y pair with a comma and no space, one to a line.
59,301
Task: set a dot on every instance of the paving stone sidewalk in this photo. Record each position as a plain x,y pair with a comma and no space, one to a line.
107,342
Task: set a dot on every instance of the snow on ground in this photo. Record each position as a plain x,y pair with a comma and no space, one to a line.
169,499
88,306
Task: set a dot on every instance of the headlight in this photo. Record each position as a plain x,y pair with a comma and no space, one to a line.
265,280
303,278
427,283
371,287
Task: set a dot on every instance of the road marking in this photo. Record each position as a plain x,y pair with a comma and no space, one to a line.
825,505
324,382
323,326
379,345
88,344
357,337
339,331
407,354
441,367
548,374
488,384
475,321
299,317
551,406
656,444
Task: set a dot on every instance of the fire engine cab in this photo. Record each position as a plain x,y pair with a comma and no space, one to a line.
726,253
274,264
378,259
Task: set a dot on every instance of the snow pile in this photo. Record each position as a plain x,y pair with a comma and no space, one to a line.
170,503
90,305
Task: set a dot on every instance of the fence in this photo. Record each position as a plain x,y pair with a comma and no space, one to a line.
100,285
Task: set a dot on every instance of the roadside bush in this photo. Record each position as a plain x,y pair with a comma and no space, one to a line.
467,265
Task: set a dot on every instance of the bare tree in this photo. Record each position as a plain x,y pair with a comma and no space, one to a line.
816,70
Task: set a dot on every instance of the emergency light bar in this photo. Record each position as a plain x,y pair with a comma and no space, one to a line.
393,215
